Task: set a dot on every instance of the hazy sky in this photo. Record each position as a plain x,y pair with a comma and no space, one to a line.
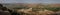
29,1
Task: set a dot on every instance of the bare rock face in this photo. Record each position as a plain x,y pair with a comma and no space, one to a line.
4,11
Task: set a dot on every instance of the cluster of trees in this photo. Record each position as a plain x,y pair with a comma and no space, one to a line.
53,8
38,8
47,7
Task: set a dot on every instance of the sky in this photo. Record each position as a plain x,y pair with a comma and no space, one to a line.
29,1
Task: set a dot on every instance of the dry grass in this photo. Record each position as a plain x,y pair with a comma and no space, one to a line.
30,12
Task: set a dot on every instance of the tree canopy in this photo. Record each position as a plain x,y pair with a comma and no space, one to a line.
53,8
